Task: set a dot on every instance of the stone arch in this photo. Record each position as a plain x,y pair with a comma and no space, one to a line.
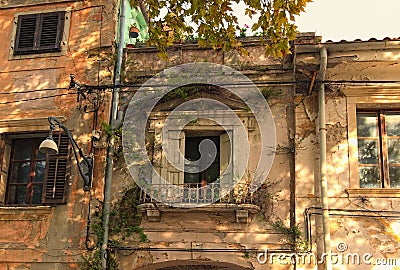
193,265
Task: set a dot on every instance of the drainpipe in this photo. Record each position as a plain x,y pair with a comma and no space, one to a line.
110,149
322,159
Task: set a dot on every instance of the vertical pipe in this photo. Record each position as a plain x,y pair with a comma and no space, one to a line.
110,149
291,128
322,159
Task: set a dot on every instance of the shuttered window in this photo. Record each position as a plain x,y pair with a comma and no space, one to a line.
39,33
34,178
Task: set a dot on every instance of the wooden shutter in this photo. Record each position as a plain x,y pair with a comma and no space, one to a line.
26,29
51,30
57,172
226,174
37,33
5,153
175,176
3,182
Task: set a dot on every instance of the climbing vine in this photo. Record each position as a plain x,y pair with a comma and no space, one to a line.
299,244
124,222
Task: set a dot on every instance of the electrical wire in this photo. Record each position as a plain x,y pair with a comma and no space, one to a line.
111,86
32,91
37,98
124,86
257,83
130,248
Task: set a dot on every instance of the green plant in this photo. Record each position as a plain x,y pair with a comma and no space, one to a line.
124,218
246,254
190,37
299,244
107,128
92,260
269,93
139,231
116,134
124,221
243,31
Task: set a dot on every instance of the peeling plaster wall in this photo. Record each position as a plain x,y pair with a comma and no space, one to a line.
375,232
52,237
187,229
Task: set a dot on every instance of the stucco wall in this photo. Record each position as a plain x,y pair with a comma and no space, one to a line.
205,229
367,222
52,237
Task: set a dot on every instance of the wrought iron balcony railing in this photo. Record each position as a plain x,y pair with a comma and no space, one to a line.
196,194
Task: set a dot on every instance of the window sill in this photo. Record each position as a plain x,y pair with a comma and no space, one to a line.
10,213
36,55
374,192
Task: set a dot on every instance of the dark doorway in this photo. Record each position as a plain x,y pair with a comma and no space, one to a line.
192,153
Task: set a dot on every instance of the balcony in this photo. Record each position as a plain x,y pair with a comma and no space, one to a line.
159,198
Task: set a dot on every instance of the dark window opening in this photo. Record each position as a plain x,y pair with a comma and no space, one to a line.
378,135
27,166
39,33
192,153
33,177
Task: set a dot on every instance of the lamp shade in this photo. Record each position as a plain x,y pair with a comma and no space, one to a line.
48,146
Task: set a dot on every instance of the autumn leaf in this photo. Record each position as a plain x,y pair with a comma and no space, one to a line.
216,25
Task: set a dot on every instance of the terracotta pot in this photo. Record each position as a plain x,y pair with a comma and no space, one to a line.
133,32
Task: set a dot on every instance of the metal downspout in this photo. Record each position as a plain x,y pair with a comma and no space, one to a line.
110,149
322,159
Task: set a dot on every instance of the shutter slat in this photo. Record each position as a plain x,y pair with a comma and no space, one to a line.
57,175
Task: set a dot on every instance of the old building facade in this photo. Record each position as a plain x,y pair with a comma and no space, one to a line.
43,205
361,91
45,212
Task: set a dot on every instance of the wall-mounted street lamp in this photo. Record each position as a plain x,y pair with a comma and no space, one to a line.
49,147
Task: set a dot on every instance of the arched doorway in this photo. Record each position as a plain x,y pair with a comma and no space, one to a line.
194,265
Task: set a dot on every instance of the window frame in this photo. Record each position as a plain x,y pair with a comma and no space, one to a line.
37,47
382,143
64,34
60,172
31,177
364,98
162,167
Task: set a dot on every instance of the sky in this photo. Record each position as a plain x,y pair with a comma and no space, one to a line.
350,19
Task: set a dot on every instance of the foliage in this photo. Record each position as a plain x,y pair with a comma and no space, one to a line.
216,24
116,134
299,244
180,92
107,128
124,221
243,30
124,217
269,93
92,261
